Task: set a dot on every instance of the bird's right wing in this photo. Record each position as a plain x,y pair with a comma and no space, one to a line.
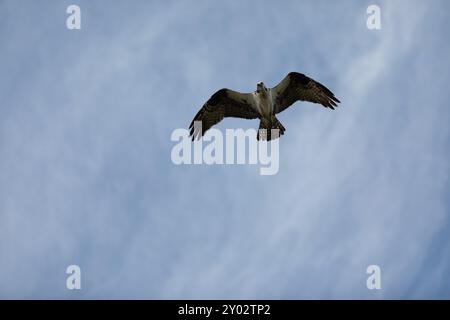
296,86
223,103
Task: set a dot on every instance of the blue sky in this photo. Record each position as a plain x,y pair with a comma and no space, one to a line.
86,176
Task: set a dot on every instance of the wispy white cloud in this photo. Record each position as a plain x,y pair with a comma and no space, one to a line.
86,175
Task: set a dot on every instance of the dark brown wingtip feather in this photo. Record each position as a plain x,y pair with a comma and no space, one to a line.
332,100
194,136
212,101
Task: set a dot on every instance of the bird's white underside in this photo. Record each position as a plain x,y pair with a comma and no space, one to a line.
263,102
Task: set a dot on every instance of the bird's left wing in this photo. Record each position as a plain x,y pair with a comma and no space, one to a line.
223,103
296,86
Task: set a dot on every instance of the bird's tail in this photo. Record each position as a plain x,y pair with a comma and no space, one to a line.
270,129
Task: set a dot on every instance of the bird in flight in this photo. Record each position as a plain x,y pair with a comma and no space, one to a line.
264,103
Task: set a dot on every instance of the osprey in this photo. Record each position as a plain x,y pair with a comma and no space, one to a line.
264,104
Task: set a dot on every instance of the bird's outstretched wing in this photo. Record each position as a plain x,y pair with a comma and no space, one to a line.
296,86
223,103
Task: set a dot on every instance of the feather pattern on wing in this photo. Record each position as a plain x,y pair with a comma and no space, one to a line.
223,103
296,86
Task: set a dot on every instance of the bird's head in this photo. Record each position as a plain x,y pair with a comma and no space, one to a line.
260,87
